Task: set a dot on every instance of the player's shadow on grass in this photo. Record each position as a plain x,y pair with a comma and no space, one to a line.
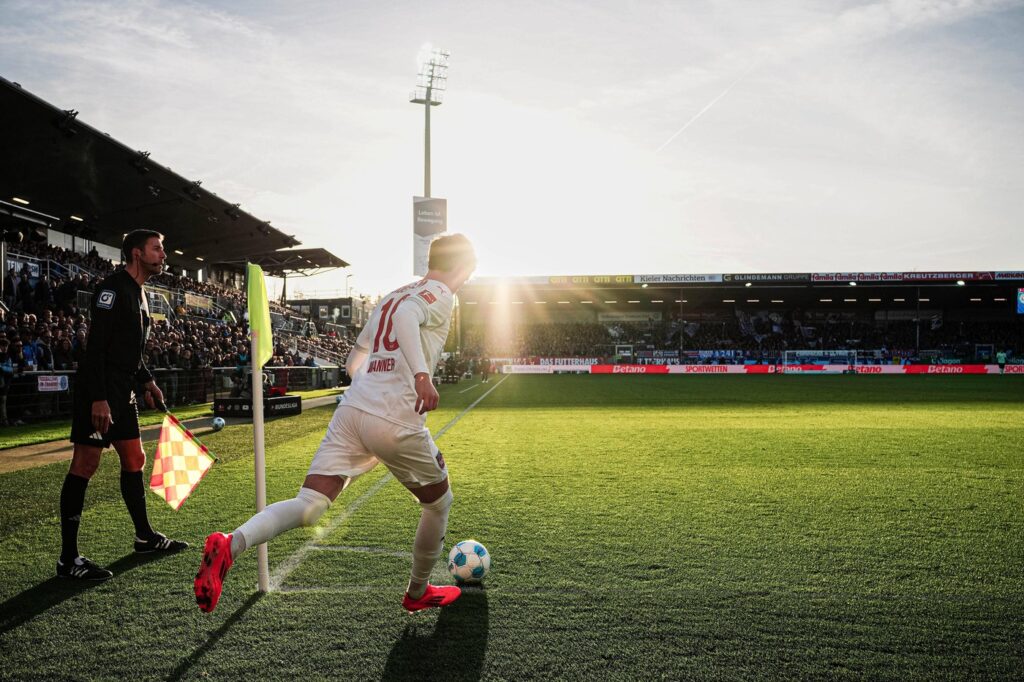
35,601
186,665
453,650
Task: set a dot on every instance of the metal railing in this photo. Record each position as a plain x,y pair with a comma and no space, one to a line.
42,395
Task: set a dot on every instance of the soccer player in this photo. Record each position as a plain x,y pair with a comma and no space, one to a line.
1001,361
380,418
105,408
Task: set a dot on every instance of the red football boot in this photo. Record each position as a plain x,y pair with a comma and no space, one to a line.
435,596
210,579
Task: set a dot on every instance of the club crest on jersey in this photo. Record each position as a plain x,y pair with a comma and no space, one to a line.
427,296
105,299
440,459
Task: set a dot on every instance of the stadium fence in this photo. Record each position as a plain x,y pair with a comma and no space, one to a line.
42,395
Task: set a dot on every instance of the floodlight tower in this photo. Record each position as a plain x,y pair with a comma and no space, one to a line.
431,84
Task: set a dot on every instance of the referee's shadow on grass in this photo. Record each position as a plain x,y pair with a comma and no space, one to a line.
35,601
453,650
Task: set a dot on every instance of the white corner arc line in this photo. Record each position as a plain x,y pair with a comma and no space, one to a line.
286,567
282,572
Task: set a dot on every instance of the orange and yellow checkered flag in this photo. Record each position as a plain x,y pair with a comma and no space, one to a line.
181,462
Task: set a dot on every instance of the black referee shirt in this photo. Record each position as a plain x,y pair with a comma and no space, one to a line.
118,330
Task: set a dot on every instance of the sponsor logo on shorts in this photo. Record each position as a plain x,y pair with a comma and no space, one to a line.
440,459
106,299
131,398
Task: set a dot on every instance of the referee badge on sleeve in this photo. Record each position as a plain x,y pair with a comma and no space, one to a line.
105,299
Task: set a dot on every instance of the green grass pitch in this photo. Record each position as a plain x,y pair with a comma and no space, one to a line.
642,527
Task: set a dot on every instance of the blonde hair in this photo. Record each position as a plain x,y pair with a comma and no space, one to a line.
451,252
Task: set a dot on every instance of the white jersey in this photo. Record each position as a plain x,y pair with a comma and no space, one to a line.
385,386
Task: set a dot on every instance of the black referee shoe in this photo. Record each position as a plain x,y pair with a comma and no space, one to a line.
82,569
159,543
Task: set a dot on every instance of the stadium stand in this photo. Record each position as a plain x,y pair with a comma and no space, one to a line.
200,328
896,340
886,317
68,194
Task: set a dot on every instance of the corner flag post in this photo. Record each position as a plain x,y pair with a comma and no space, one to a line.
261,350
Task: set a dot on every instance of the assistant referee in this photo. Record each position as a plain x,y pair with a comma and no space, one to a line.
105,408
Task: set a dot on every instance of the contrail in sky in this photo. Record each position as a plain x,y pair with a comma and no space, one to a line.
701,112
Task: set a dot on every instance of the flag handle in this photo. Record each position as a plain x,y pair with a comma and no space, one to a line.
259,461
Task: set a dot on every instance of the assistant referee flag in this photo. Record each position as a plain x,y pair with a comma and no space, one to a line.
259,315
180,463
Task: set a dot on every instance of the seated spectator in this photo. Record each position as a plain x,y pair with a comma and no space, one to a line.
42,350
63,355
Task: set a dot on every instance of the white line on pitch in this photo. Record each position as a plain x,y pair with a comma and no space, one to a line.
292,562
462,414
363,550
476,385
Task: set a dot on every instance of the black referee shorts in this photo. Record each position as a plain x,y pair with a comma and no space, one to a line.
123,410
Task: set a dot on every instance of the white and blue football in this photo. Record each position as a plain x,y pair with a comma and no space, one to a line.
218,423
469,562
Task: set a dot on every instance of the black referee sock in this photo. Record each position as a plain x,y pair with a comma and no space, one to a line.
134,493
72,501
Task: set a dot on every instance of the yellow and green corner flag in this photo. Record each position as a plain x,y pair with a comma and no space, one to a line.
259,315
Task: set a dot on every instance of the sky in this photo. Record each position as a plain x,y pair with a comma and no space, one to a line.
623,137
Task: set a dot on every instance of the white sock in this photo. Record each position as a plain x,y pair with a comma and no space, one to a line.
302,510
429,542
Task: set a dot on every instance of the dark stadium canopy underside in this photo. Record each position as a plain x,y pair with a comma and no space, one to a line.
293,262
66,168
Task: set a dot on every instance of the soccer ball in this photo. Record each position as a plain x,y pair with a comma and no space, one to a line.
218,423
469,562
338,399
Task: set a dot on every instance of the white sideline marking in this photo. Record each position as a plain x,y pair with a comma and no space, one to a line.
476,385
462,414
292,562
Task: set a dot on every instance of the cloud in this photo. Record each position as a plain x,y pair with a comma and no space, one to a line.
853,119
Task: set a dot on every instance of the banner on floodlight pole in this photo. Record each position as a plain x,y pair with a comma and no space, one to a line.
429,219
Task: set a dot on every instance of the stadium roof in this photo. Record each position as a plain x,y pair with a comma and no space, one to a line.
295,261
747,279
63,168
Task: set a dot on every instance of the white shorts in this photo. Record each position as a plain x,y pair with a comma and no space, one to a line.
355,441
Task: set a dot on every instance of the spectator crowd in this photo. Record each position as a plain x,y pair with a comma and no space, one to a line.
759,339
44,328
